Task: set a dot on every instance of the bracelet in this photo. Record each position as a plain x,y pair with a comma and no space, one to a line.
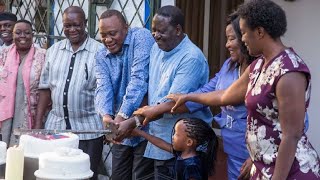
124,116
138,123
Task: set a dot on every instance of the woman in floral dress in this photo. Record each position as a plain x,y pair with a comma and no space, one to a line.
276,89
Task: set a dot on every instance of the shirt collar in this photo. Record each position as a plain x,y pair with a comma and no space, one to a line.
125,43
84,46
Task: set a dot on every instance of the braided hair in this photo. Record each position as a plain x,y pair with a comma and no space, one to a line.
206,139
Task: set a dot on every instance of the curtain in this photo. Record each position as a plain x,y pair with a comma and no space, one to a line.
219,10
194,27
193,11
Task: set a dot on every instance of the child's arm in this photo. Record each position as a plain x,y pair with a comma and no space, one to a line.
154,140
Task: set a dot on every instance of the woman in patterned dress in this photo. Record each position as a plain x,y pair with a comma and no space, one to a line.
20,69
276,90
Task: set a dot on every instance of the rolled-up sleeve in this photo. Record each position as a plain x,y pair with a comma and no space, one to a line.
138,84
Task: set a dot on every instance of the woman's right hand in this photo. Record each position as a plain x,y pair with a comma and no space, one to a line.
245,170
180,99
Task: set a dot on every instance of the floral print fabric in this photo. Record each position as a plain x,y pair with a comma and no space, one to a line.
263,129
38,60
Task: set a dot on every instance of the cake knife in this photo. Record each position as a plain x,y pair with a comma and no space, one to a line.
56,131
109,130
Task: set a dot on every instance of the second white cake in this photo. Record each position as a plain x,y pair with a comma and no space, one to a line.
64,163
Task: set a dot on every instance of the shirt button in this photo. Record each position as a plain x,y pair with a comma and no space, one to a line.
64,106
73,56
70,67
66,117
68,80
64,93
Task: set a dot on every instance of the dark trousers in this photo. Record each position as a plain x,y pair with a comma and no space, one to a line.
93,148
164,170
129,163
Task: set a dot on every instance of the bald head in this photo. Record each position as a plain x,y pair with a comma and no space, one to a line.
77,10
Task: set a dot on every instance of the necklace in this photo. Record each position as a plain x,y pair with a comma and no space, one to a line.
239,71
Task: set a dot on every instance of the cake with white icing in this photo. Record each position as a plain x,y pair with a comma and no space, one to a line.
3,152
35,144
64,163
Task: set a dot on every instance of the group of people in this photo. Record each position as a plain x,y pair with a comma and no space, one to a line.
154,87
39,86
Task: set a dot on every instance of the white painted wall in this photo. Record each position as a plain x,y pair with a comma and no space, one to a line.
168,2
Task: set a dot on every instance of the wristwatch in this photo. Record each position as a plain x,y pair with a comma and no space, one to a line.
124,116
138,123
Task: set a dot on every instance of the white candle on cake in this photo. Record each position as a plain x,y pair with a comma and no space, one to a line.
14,164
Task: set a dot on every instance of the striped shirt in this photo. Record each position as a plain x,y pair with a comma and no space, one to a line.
70,77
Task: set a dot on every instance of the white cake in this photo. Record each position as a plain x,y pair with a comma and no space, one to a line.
35,144
64,163
3,152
